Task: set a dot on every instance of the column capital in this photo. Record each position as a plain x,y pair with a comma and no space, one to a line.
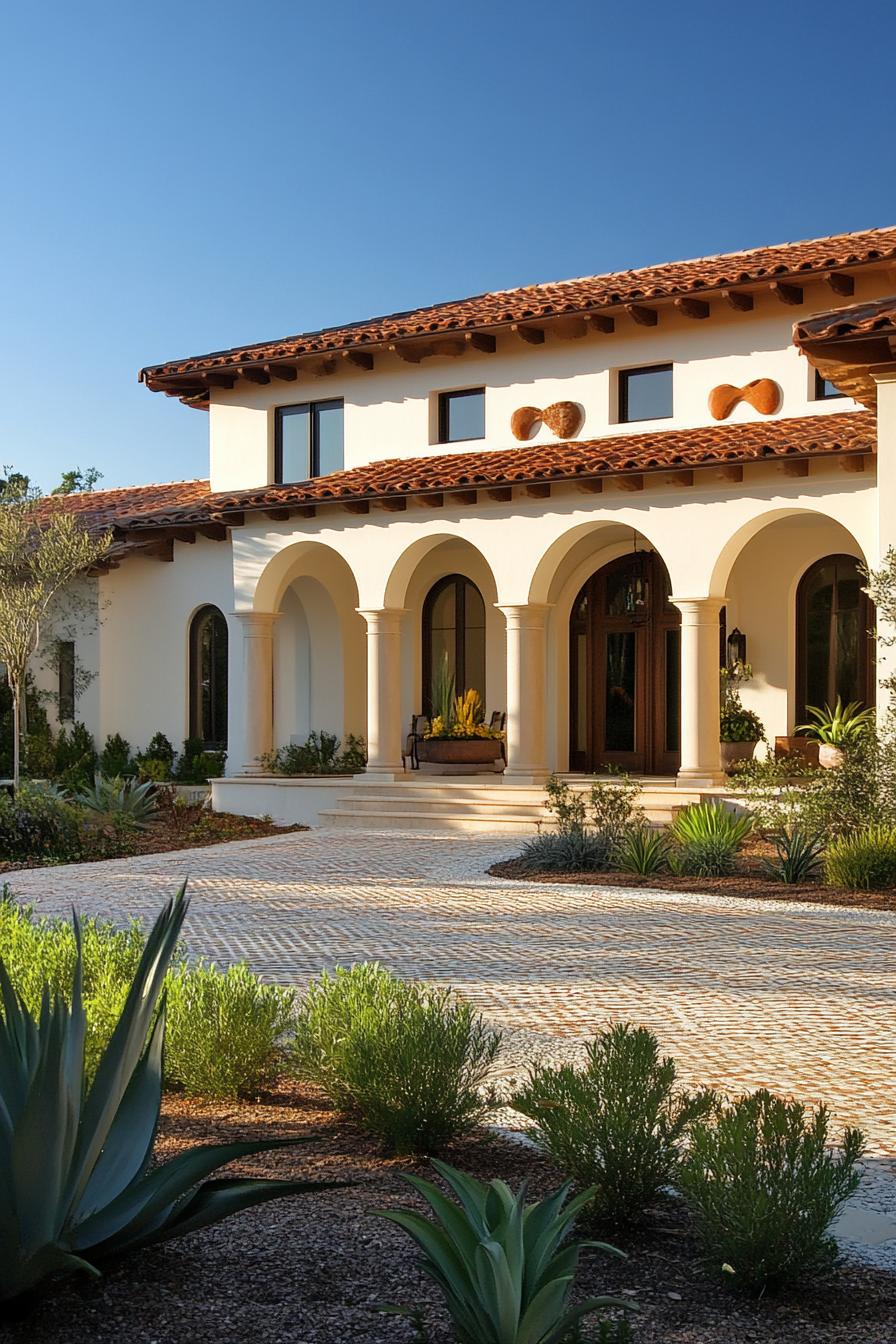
524,614
382,620
257,622
699,610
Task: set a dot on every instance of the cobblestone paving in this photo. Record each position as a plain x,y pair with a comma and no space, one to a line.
744,994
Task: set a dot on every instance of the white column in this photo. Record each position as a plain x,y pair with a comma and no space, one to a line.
383,691
886,530
700,756
526,763
257,705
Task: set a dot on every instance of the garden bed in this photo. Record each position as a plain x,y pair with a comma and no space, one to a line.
748,884
180,826
314,1268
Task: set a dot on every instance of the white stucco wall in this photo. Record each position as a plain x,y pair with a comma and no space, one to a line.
391,411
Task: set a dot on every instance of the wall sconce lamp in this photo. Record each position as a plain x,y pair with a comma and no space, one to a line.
737,648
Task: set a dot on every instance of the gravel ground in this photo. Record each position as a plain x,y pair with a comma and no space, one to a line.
312,1270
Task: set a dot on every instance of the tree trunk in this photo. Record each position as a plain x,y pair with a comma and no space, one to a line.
14,686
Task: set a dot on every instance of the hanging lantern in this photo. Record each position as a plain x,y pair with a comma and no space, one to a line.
637,599
737,648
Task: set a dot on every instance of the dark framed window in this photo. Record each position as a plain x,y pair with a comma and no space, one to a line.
462,415
825,391
454,624
308,441
835,648
66,694
645,394
208,678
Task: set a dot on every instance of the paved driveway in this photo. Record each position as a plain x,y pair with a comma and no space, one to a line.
800,999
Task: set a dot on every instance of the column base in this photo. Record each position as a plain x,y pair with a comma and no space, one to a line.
700,779
380,773
536,775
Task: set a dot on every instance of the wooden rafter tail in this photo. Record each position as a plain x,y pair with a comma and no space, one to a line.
693,308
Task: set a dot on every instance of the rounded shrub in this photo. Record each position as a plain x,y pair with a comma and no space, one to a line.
225,1030
865,860
763,1188
412,1060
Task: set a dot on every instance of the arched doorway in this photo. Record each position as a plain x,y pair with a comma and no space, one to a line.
834,644
454,624
625,669
208,678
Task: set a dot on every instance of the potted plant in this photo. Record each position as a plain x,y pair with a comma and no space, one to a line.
458,740
834,729
740,730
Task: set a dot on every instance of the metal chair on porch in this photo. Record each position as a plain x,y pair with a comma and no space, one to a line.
419,726
499,720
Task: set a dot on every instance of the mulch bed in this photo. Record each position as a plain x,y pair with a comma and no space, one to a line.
313,1269
184,827
748,882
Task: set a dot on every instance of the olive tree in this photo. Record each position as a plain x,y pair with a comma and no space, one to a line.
43,547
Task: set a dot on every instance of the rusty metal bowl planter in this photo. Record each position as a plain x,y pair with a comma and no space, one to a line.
460,755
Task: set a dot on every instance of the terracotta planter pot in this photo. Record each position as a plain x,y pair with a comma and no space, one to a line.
804,749
457,756
829,756
735,753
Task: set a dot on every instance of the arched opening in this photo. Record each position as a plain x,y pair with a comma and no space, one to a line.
208,678
834,643
454,627
625,669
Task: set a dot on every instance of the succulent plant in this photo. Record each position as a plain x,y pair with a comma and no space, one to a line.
125,802
76,1184
505,1266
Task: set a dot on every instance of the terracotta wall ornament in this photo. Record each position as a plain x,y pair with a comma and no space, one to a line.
563,418
763,394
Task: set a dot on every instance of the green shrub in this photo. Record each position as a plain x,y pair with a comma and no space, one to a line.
707,821
153,769
763,1189
75,757
321,754
126,804
159,749
618,1124
34,824
642,850
612,807
712,856
505,1267
863,861
79,1184
196,765
115,758
410,1059
566,851
798,856
225,1030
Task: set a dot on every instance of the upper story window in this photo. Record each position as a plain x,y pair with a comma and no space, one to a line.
645,394
825,391
66,659
462,415
308,441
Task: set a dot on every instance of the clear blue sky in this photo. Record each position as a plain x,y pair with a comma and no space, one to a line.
181,177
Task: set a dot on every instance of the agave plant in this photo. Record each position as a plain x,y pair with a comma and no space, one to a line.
838,726
500,1262
123,801
76,1186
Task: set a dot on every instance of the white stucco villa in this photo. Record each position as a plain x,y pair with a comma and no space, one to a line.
577,489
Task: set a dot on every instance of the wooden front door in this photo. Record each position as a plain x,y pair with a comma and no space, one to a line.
625,669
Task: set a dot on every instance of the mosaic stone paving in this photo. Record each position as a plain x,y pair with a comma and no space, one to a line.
797,998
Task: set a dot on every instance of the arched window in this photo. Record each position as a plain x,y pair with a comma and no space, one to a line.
834,642
208,678
454,623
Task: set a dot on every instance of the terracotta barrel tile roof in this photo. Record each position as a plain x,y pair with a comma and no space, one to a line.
847,343
666,450
103,508
533,302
